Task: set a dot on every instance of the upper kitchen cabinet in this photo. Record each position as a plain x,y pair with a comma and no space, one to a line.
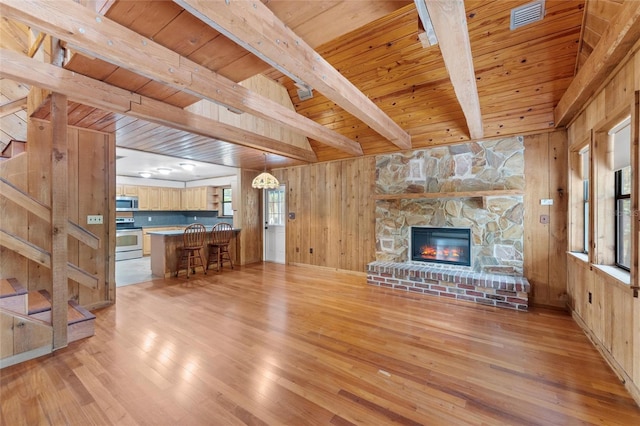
170,199
126,190
148,198
200,198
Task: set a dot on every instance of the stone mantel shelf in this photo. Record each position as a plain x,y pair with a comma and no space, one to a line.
468,194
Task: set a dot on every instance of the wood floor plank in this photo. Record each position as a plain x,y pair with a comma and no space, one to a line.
269,344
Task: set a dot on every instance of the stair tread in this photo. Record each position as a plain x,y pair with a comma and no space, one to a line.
11,287
39,301
76,313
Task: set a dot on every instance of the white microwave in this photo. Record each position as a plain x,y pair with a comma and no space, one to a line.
126,204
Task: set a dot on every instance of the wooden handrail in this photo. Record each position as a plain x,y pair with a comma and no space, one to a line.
81,276
43,257
25,248
15,194
83,235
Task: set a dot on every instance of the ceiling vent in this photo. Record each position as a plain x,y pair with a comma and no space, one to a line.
304,91
527,14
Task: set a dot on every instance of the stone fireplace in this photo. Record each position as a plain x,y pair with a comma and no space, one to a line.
450,246
473,186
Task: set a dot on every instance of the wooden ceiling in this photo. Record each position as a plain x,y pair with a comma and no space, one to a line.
521,75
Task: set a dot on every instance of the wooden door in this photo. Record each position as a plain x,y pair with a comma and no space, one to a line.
274,227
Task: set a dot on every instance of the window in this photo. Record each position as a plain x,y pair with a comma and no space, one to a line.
227,209
275,206
621,135
584,161
623,218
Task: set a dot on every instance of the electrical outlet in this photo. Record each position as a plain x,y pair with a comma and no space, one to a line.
94,219
311,251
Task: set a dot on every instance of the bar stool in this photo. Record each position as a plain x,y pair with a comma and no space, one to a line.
219,246
193,242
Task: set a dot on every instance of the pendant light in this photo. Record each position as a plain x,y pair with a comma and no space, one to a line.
265,179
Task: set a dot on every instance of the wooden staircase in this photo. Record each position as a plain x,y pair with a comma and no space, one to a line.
25,326
13,148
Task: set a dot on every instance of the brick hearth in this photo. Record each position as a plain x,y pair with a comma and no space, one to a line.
503,291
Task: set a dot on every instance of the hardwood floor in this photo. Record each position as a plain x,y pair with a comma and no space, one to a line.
274,344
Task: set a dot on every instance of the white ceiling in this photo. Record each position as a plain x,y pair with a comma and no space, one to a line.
130,163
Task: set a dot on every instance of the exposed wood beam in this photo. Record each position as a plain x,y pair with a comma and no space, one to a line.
253,26
616,42
97,94
13,107
450,24
33,49
19,67
102,38
168,115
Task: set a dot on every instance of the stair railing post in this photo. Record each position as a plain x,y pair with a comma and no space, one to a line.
59,215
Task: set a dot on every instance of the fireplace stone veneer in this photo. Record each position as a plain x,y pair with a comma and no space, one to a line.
504,291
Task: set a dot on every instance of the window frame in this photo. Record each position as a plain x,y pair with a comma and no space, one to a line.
228,203
619,196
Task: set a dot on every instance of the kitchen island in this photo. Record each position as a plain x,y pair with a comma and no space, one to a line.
165,250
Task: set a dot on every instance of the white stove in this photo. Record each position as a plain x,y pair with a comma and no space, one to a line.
128,239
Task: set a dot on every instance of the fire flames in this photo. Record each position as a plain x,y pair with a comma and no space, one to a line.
441,253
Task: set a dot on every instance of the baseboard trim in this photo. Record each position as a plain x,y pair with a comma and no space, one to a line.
624,377
327,268
25,356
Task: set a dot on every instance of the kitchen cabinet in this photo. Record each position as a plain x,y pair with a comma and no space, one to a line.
170,199
143,198
146,238
148,198
154,198
216,199
199,198
176,199
126,190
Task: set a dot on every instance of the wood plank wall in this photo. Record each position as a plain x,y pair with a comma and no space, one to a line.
335,215
250,220
612,317
334,223
91,178
12,217
546,243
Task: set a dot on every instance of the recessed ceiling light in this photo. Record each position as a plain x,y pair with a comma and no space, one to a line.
164,170
145,174
187,166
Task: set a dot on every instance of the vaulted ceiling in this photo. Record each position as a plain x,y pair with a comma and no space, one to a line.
377,88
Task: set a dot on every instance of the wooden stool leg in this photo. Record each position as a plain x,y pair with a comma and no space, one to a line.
202,261
188,256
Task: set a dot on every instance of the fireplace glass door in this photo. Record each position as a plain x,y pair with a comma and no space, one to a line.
441,245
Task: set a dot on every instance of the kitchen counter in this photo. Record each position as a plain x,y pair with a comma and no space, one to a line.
165,251
180,232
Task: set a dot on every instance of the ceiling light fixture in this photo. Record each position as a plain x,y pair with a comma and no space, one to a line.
187,166
145,174
164,170
265,180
